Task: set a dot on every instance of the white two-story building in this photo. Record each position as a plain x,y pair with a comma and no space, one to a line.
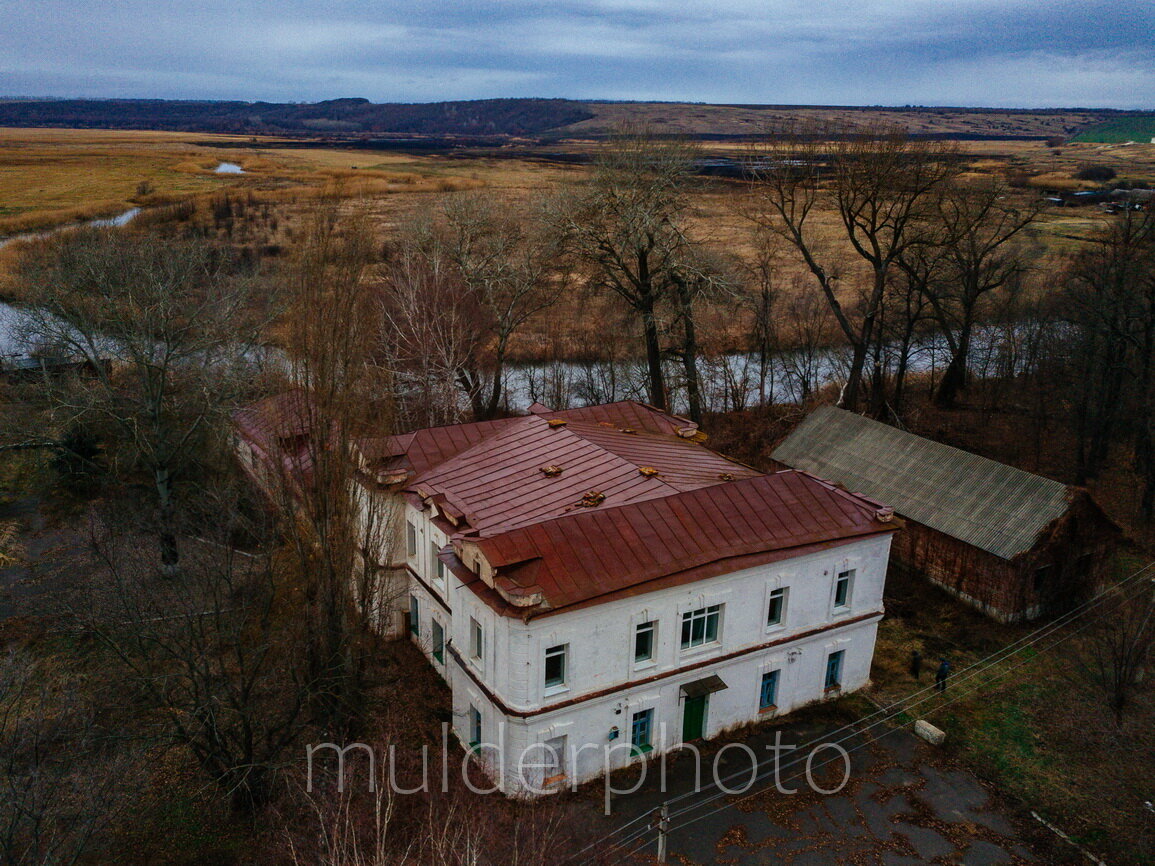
597,578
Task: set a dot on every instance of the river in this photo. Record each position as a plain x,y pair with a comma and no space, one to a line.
120,219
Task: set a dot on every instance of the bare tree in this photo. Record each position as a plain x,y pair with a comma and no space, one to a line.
168,327
976,223
216,653
626,226
513,269
881,185
340,543
700,277
1115,651
428,332
61,783
1110,301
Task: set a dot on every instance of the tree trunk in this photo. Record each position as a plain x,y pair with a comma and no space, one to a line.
657,383
954,378
857,364
690,352
169,550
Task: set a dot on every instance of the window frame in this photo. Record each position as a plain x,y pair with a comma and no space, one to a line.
649,627
437,640
410,540
835,660
780,595
561,651
844,578
774,679
645,719
436,566
414,615
476,641
704,615
557,746
474,728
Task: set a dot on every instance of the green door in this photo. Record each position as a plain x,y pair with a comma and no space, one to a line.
693,718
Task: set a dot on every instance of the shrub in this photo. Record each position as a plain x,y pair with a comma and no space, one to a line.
1098,173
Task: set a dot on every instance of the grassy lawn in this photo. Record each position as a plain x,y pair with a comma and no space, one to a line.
1138,128
1041,735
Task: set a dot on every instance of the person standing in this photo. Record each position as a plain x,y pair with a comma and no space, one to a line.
915,664
943,673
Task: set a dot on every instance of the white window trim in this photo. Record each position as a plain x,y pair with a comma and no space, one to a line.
781,624
477,660
411,532
852,570
652,661
706,646
566,671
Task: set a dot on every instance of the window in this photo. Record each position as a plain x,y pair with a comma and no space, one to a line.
474,727
438,642
641,731
834,670
842,587
554,759
768,695
435,562
414,615
555,666
644,641
410,539
476,639
700,626
777,608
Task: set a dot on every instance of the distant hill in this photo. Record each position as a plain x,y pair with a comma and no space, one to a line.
538,118
498,117
1130,127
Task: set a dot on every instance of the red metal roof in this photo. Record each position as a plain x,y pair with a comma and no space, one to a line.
282,416
625,413
602,553
665,509
500,483
429,447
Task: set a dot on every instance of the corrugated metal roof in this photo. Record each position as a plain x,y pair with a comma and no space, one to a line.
989,505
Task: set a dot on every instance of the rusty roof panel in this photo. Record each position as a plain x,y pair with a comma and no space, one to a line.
584,556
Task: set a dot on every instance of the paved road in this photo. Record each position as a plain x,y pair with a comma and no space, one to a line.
902,805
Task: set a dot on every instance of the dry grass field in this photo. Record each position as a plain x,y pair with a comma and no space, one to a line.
50,177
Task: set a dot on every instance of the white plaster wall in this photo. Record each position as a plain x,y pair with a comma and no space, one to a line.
600,637
587,725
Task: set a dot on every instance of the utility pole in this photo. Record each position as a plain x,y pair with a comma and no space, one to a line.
663,817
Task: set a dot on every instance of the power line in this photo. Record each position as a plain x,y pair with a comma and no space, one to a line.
895,709
909,702
954,699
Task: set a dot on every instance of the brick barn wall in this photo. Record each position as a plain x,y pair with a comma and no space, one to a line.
985,581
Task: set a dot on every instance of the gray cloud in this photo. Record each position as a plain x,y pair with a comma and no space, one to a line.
967,52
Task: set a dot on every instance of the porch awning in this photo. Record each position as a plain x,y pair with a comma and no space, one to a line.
704,686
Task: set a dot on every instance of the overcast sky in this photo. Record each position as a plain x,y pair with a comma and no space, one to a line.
1029,53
